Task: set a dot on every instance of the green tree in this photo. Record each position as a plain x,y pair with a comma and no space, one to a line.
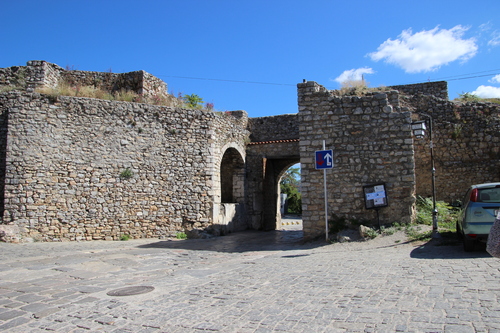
193,101
289,185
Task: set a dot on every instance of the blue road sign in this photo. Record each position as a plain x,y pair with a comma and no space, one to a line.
324,159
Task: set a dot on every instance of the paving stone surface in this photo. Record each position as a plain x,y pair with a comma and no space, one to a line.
249,282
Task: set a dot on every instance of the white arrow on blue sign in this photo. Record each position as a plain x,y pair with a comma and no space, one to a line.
324,159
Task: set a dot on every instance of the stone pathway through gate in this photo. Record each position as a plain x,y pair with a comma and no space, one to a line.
291,222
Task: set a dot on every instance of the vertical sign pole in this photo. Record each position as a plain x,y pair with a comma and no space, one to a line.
326,198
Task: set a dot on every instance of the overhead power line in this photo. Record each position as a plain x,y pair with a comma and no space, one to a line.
226,80
448,78
472,77
491,70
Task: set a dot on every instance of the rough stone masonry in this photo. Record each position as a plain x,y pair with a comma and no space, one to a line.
74,168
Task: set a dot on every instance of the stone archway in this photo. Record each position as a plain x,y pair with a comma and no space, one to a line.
232,173
266,163
275,168
228,209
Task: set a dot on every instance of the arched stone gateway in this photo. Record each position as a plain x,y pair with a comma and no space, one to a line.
287,164
228,211
93,169
266,163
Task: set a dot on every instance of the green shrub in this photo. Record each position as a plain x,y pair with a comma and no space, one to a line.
127,174
447,215
371,233
181,235
468,97
193,101
387,231
414,233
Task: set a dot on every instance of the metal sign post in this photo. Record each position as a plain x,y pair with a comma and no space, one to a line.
324,160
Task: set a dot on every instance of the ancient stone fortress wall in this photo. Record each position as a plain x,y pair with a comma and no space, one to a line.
80,169
13,76
466,139
272,128
89,169
39,73
438,89
372,143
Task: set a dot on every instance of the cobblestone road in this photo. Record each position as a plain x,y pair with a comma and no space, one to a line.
248,282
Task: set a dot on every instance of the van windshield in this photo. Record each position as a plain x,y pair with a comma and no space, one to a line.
489,195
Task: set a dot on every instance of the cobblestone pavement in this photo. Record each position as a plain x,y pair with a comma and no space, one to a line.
248,282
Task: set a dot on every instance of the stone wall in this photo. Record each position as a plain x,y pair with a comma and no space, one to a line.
63,159
466,139
139,82
372,143
42,74
282,127
229,158
66,158
438,89
39,73
13,76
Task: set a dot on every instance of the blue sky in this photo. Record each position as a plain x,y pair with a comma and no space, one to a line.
250,55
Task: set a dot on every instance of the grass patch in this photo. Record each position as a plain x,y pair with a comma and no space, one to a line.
387,231
181,235
371,233
447,219
66,89
415,233
127,174
357,88
447,215
124,237
9,88
471,98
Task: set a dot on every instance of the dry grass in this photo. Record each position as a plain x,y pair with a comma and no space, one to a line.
356,88
8,88
65,89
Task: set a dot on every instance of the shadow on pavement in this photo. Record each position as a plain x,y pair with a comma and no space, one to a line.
244,241
433,250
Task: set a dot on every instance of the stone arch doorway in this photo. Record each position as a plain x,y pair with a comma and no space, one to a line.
232,173
228,212
290,203
274,170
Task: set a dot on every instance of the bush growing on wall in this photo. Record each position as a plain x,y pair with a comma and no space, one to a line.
193,101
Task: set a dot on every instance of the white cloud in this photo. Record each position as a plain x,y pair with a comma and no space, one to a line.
353,74
487,92
495,79
495,39
486,26
426,50
494,34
